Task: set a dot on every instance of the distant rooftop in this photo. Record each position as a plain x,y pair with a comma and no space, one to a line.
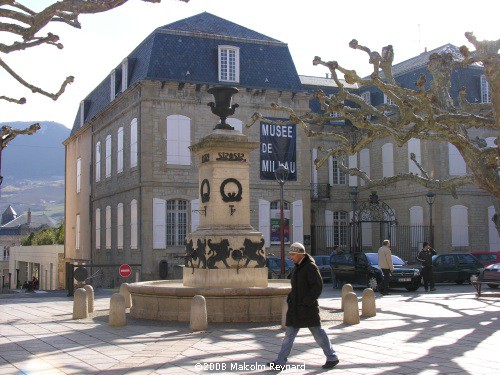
36,221
323,81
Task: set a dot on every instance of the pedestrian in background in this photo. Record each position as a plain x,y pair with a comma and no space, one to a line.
303,308
385,264
425,257
334,258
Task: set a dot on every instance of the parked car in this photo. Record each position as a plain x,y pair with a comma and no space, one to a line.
491,273
487,257
457,268
273,265
363,269
323,263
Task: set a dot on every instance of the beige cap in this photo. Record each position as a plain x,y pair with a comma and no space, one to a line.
297,248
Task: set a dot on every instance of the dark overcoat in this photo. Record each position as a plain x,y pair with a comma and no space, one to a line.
303,308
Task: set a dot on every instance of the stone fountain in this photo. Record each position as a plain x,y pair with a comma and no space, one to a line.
225,255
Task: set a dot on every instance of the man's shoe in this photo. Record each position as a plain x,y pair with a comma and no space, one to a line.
433,289
330,364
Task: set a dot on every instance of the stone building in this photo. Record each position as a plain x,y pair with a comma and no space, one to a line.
132,185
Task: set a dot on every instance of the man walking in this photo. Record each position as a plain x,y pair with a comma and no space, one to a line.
303,308
425,257
385,264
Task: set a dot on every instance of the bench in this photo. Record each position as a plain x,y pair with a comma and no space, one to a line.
490,278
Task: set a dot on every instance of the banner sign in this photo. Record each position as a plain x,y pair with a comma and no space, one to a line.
278,146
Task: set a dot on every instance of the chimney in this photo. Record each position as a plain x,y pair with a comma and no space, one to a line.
327,75
29,216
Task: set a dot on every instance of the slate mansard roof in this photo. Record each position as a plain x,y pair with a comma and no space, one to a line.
187,51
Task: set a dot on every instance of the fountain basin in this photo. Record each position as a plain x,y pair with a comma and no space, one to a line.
170,300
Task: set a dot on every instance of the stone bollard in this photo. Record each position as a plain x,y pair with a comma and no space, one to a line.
117,317
284,310
351,309
80,309
126,294
198,321
90,298
368,308
347,288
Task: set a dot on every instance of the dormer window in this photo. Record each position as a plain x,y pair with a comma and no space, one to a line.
388,100
229,64
366,97
124,75
112,79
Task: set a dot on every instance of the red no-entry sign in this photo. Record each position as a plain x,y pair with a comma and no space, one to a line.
125,270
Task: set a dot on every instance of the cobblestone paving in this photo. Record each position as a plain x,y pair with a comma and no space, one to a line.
449,331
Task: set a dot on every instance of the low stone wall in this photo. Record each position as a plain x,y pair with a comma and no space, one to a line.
171,301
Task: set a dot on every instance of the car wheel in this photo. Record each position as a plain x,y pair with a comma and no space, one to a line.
372,283
459,282
493,286
412,288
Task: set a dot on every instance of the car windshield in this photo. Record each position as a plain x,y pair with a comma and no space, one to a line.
373,259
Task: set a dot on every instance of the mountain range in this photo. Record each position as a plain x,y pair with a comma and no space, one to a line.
32,167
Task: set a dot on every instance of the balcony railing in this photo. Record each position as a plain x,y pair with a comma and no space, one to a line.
320,191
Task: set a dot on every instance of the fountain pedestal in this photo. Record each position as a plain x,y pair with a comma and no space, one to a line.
226,258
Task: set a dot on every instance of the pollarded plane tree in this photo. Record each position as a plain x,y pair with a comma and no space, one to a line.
426,114
21,28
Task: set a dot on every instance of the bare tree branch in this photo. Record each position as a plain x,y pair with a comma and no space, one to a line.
22,22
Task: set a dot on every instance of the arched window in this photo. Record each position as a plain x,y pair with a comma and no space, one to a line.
337,176
98,228
178,140
119,156
388,160
108,156
133,224
414,147
98,162
340,225
459,226
119,226
133,143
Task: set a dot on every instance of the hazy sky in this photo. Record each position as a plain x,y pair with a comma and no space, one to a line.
310,28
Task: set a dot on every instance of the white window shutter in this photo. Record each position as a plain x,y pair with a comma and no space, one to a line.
329,228
298,221
353,163
414,147
314,171
195,215
494,238
77,245
97,228
330,170
388,160
159,224
265,220
456,161
133,224
459,226
119,226
133,143
364,162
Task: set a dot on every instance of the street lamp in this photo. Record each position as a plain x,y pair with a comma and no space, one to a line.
354,198
430,197
281,174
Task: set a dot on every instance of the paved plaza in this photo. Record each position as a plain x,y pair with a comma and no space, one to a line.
445,332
